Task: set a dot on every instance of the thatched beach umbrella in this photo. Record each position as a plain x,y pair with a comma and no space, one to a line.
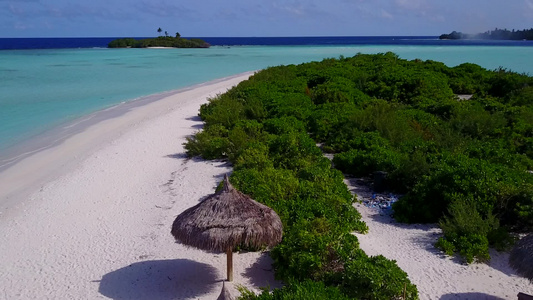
224,294
521,257
225,220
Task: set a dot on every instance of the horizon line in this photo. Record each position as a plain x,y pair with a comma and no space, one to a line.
302,36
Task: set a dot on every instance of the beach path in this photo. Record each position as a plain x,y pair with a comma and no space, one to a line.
436,276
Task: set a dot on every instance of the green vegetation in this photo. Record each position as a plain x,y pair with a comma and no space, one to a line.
496,34
160,41
463,164
306,290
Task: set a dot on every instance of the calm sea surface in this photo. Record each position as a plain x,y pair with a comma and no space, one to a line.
47,87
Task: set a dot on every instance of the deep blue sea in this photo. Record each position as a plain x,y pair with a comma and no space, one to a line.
58,43
48,82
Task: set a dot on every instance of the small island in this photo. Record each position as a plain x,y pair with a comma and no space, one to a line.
496,34
161,41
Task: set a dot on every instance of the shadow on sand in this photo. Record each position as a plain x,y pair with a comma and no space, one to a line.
500,262
469,296
261,273
160,279
427,234
223,163
194,118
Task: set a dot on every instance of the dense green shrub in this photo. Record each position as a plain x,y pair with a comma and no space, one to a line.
294,151
518,211
454,174
124,43
273,187
161,41
522,97
466,231
311,250
474,121
467,78
284,125
222,110
376,113
376,278
245,134
365,162
254,157
327,119
297,105
503,83
211,143
304,290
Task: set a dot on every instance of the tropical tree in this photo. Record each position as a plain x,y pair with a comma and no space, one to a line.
159,30
178,35
166,33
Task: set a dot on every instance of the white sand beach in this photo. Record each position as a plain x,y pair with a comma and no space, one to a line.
90,218
435,275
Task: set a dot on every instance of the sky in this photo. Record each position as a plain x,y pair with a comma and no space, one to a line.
233,18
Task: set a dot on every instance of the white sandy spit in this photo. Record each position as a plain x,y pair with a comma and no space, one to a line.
98,225
436,276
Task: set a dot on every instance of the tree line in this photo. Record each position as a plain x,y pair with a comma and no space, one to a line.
161,41
496,34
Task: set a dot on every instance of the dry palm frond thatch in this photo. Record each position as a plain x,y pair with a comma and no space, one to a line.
225,220
224,294
521,258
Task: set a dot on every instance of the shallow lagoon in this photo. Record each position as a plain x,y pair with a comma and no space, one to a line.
42,89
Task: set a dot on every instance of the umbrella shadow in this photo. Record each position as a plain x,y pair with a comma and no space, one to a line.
261,273
470,296
160,279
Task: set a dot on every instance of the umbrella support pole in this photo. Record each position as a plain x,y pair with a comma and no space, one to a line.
229,256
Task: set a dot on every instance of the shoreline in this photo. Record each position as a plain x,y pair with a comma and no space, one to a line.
57,136
97,225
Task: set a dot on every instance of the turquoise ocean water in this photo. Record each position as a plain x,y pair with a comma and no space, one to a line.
42,89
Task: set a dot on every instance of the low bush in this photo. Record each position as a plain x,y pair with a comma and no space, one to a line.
463,163
365,162
465,230
454,174
376,278
304,290
211,143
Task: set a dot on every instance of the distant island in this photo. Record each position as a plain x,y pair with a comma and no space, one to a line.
496,34
161,41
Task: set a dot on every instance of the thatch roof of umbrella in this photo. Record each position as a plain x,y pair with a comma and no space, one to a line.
521,257
224,294
225,220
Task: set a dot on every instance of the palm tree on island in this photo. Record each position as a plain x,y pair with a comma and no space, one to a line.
160,41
